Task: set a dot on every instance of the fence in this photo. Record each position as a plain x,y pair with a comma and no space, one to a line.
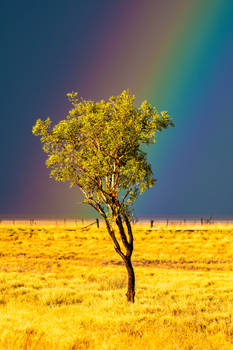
151,223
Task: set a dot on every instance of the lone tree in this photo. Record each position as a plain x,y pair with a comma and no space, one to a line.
99,148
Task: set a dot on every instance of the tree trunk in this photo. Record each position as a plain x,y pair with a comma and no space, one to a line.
131,280
128,243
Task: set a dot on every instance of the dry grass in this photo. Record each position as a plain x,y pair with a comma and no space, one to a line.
63,287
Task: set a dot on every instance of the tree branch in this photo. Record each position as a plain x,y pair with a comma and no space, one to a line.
130,233
101,211
122,233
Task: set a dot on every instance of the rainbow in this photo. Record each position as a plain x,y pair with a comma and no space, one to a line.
170,53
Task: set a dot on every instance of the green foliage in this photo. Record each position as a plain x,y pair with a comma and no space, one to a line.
99,148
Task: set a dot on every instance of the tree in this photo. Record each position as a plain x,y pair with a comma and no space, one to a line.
100,148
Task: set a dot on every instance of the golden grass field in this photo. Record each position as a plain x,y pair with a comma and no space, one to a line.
63,287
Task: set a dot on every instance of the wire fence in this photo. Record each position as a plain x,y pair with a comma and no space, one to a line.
150,223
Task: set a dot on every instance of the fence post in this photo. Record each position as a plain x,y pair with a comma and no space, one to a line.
151,223
97,223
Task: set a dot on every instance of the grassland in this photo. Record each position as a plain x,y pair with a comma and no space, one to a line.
63,287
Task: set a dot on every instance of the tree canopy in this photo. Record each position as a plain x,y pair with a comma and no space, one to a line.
99,147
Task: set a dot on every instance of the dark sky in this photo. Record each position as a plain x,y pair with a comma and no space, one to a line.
100,48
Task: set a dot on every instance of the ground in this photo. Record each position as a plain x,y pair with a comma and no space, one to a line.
63,287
